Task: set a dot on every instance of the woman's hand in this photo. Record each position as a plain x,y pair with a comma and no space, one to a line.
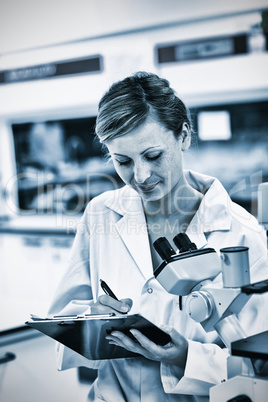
106,304
175,352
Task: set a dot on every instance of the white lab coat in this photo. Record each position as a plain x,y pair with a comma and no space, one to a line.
112,244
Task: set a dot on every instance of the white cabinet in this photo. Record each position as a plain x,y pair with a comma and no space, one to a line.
31,265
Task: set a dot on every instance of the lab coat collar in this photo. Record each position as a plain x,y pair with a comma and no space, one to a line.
212,215
132,227
125,201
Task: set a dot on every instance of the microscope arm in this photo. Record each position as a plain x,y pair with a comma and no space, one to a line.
216,308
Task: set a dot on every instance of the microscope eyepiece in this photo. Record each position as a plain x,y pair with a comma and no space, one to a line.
164,248
183,243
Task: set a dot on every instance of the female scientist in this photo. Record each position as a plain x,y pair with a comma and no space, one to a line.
146,128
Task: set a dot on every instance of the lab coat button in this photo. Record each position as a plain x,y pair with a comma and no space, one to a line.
150,290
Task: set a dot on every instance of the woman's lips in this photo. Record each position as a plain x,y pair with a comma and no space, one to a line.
146,188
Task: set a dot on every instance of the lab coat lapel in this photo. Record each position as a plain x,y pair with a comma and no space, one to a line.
132,229
133,233
212,214
195,231
198,238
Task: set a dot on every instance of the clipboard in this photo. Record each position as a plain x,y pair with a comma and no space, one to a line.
85,334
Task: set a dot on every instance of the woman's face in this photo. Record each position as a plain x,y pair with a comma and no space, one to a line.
149,159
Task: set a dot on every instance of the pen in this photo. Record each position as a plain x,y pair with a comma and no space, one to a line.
107,290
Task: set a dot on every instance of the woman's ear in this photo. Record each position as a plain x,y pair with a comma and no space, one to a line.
186,137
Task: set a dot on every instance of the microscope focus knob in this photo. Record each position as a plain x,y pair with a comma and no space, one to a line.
199,305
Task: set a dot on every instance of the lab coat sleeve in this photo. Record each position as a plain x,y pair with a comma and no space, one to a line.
74,295
205,366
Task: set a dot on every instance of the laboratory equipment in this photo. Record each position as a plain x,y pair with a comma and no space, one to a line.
189,273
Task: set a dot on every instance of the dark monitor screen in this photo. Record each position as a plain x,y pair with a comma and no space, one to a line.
60,165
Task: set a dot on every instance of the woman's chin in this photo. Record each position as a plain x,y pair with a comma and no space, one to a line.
153,196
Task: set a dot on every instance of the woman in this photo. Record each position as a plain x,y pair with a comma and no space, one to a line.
146,128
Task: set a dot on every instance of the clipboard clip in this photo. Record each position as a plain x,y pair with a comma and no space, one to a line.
82,316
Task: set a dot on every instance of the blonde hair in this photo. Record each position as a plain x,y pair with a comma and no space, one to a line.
128,103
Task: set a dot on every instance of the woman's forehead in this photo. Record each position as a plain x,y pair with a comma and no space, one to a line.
150,134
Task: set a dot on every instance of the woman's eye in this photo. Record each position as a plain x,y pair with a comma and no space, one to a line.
124,163
153,157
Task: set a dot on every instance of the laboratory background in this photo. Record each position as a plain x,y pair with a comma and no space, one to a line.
57,58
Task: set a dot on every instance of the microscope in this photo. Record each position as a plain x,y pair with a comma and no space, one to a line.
189,273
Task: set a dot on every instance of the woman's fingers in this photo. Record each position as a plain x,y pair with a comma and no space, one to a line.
115,341
144,341
98,308
175,336
122,340
122,306
143,347
175,352
150,349
127,302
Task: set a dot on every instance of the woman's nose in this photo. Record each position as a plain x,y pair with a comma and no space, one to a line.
141,172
